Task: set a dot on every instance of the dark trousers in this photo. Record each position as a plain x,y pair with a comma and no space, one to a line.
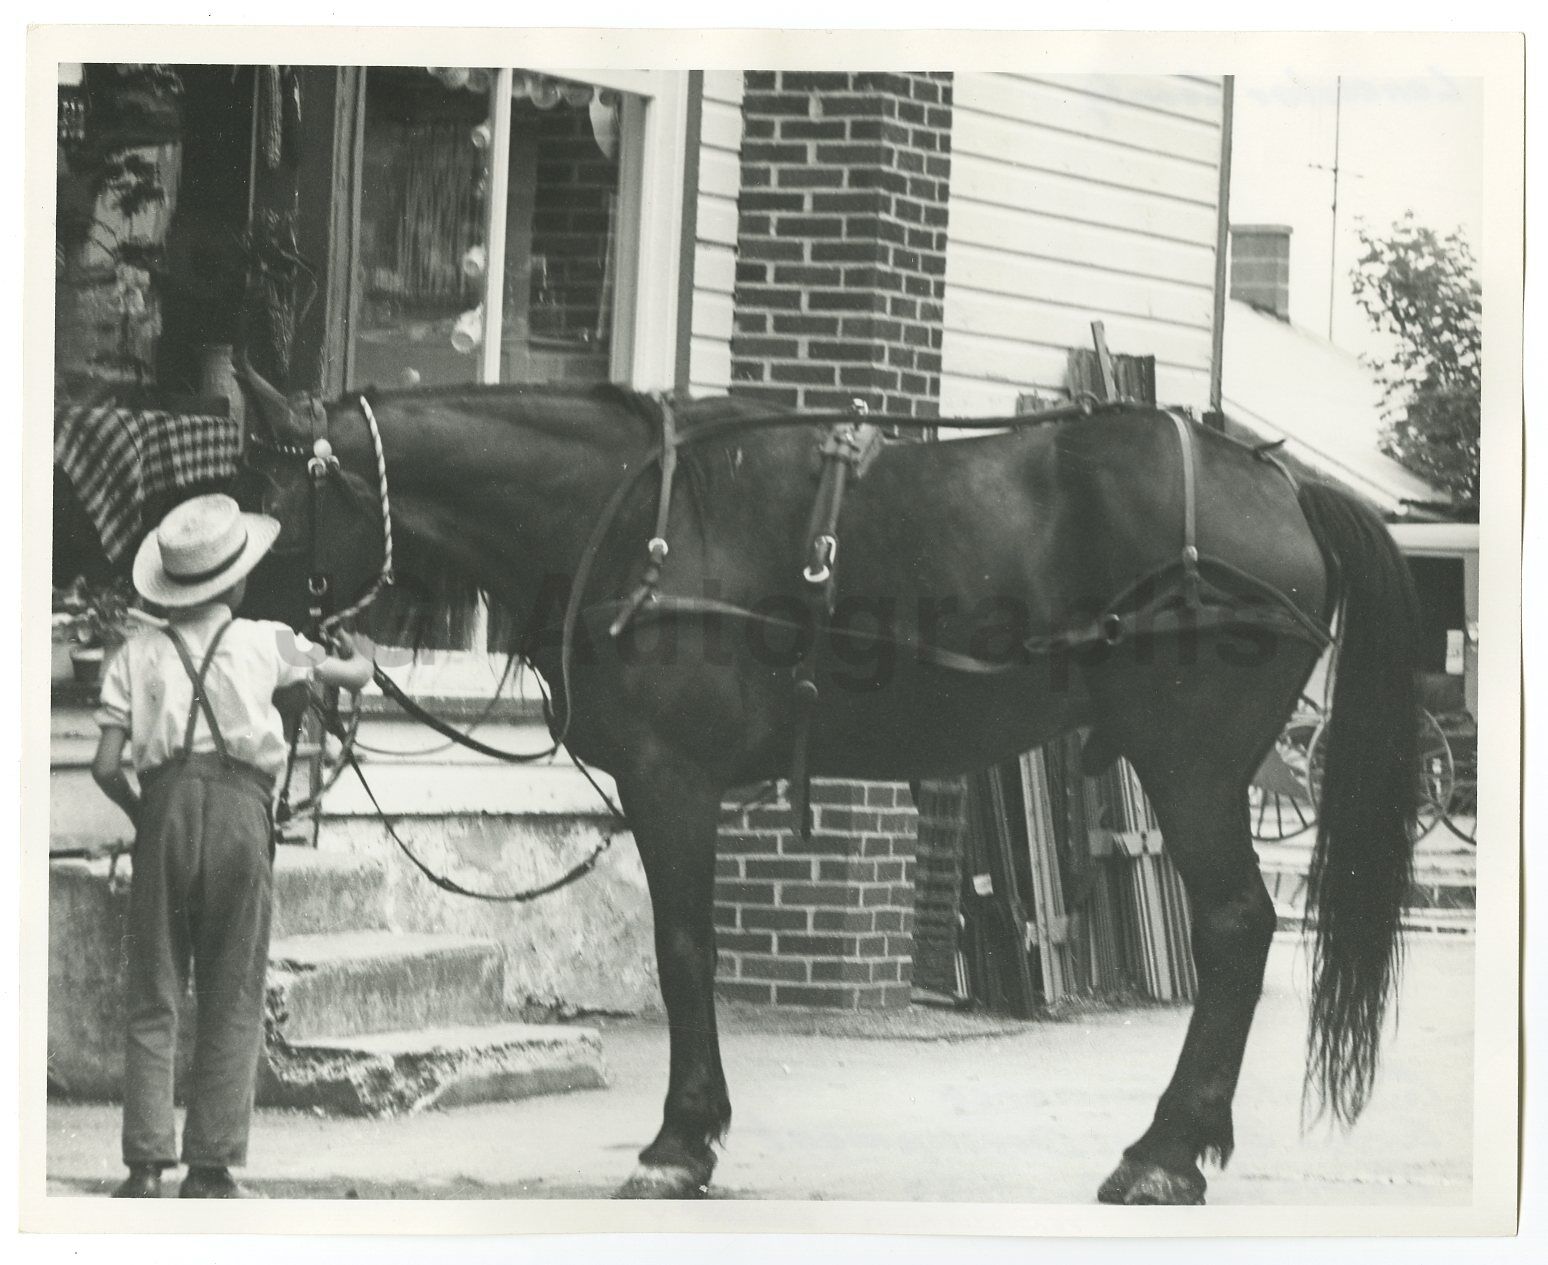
202,893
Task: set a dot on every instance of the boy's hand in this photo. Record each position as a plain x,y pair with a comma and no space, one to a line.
346,666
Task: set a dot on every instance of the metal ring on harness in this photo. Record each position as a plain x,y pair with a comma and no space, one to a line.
824,553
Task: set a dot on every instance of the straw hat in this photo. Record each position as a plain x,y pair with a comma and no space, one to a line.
203,547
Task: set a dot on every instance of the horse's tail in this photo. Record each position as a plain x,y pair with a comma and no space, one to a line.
1362,865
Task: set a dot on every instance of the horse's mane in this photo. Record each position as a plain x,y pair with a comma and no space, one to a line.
434,606
526,400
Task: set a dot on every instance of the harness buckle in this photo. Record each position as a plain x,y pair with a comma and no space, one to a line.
824,552
658,549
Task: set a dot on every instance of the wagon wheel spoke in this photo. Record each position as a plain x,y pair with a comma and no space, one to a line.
1283,793
1437,772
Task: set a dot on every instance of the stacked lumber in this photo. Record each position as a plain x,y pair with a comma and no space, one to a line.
1148,899
1063,887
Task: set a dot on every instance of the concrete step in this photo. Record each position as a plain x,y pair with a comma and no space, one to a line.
317,892
392,1073
314,891
394,738
543,791
346,984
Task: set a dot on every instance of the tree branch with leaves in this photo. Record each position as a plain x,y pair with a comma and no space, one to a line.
1422,290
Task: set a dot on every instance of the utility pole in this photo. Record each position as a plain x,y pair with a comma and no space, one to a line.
1338,170
1338,118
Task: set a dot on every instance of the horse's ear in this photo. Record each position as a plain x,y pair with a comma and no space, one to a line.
267,409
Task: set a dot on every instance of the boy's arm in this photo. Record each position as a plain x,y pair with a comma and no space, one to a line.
107,770
290,702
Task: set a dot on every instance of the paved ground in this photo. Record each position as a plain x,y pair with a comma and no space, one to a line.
931,1109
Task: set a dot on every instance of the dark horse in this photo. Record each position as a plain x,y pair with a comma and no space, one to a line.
975,548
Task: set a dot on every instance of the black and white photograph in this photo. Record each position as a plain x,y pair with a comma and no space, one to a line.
926,621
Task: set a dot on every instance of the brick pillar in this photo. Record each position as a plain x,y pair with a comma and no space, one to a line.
841,245
841,271
826,921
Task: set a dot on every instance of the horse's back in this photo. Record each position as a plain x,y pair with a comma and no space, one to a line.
1063,517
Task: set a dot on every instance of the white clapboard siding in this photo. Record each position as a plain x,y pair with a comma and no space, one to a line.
1092,158
1063,106
1181,95
720,141
1010,180
1011,274
1073,241
712,316
1074,199
994,318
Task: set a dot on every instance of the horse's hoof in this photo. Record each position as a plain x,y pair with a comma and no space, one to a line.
1141,1182
663,1181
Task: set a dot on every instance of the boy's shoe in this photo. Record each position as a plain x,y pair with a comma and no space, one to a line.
143,1182
213,1183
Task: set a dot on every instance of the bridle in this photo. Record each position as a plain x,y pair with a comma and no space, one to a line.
324,467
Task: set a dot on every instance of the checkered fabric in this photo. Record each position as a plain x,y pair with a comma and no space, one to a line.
118,459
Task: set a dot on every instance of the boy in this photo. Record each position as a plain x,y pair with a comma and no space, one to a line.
195,703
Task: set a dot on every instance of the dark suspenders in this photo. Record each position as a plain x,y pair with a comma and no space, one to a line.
201,700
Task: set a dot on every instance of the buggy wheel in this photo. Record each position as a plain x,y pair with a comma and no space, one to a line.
1437,773
1281,800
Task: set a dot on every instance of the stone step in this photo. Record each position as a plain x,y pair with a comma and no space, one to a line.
392,1073
346,984
317,892
537,792
314,892
398,739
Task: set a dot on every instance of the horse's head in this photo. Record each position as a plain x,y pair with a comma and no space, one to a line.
330,519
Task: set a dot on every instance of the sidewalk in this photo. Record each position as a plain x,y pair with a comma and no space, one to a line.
1015,1112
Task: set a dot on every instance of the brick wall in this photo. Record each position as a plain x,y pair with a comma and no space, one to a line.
820,922
841,244
840,277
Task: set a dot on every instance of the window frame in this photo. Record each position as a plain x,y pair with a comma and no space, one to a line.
653,130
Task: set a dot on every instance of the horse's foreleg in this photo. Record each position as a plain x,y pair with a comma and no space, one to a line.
675,810
1206,832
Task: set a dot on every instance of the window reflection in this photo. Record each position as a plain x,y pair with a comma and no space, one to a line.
423,195
425,214
561,232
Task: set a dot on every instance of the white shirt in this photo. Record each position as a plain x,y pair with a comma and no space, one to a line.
146,691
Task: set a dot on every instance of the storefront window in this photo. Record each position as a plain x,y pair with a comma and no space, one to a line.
432,196
423,213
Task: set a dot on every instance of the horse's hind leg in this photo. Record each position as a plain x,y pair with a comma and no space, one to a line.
1233,924
674,813
1195,744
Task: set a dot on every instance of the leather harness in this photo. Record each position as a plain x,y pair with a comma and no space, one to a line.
1172,599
